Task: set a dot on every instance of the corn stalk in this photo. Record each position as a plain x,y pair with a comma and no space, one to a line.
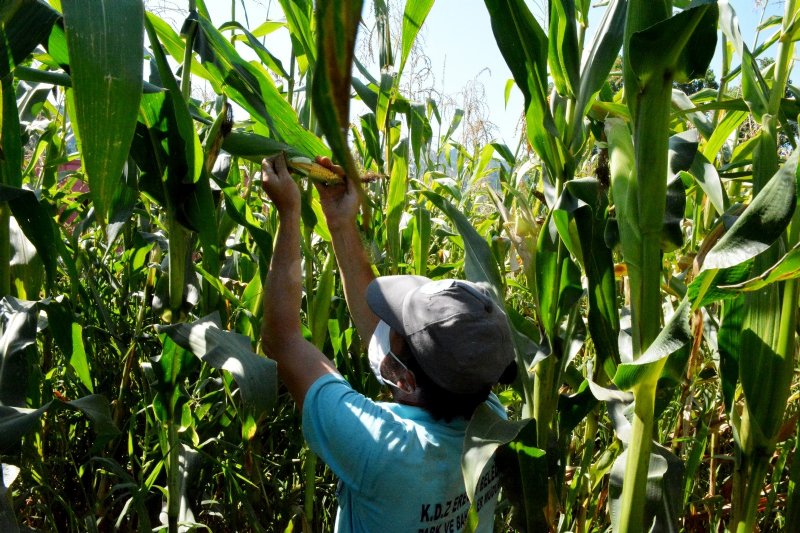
658,49
768,344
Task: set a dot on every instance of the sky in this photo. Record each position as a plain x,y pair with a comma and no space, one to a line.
458,40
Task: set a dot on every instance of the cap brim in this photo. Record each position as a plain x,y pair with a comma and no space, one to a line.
385,297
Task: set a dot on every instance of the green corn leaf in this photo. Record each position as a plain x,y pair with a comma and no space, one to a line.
16,422
298,19
421,239
712,285
489,435
764,374
731,121
413,17
105,39
371,133
729,340
754,89
321,304
624,189
586,204
225,350
599,61
699,119
524,47
647,368
35,220
479,263
254,147
236,208
787,268
252,88
762,222
10,138
396,202
665,474
266,57
682,45
24,26
78,360
385,94
17,349
420,131
8,520
706,176
175,47
557,279
563,54
337,25
458,114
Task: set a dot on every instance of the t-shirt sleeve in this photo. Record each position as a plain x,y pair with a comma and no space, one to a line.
345,428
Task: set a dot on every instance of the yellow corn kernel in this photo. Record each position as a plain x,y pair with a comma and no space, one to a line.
313,170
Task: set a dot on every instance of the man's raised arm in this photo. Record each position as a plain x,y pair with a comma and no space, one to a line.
340,205
300,364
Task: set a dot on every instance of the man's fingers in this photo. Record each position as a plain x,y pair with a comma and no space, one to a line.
280,165
327,163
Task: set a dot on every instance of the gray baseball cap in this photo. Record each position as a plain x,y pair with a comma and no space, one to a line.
457,333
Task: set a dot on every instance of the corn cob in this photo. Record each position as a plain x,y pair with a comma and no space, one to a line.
313,170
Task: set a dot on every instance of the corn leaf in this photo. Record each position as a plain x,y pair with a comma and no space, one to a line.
585,203
10,141
523,465
754,89
729,341
420,131
396,202
682,45
25,24
787,268
762,222
337,25
647,368
255,147
524,47
563,54
765,375
298,19
479,262
236,208
252,88
421,239
175,47
413,17
8,521
599,60
225,350
321,303
35,220
78,360
266,57
105,39
557,281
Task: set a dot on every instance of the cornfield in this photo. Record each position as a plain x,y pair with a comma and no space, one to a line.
643,235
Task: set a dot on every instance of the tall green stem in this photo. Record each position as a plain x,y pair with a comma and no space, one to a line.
632,504
173,476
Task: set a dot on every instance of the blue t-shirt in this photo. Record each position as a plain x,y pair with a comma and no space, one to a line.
399,469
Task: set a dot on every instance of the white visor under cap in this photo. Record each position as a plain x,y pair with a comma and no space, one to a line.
380,344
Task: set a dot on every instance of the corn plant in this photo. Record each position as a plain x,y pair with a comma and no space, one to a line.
133,243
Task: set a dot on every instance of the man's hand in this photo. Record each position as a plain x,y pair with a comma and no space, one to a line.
339,202
279,185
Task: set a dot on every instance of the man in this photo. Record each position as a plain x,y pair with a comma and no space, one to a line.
439,345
